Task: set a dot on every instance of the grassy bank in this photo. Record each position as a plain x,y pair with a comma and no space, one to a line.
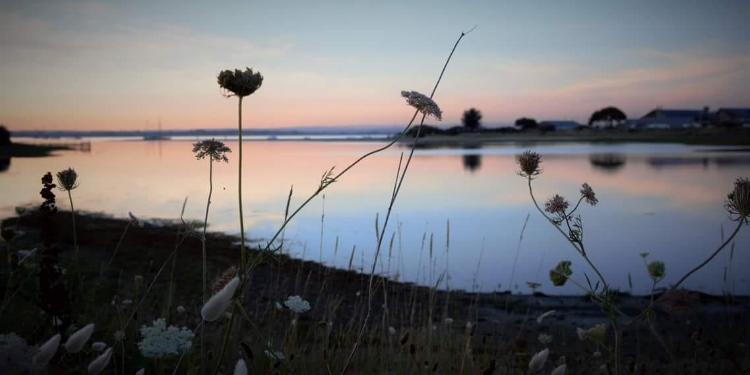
415,330
707,136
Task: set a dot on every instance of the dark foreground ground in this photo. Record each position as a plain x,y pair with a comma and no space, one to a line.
690,333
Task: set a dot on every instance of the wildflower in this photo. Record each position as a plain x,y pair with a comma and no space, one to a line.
98,346
538,360
540,318
391,331
656,270
423,104
16,356
560,274
595,334
274,354
588,193
597,354
533,285
544,339
219,302
119,335
180,309
239,83
448,321
529,162
225,277
77,340
556,205
67,179
49,205
216,150
643,255
278,306
738,201
159,340
297,304
240,368
47,351
559,370
101,362
358,293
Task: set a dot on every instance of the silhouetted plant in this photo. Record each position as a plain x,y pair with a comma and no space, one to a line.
4,136
525,123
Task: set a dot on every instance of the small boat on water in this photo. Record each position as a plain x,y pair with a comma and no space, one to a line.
156,137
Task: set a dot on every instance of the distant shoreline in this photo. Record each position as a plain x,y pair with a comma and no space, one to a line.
716,137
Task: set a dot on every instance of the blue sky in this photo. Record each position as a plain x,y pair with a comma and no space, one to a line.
119,65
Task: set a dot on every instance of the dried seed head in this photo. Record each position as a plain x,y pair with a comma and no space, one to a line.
239,83
423,104
67,179
224,278
556,205
560,274
738,201
529,162
216,150
538,360
656,270
588,193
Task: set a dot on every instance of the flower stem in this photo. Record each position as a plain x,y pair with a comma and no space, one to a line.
73,216
239,194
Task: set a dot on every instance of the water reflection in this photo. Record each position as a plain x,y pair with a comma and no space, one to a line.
472,160
641,209
703,161
610,162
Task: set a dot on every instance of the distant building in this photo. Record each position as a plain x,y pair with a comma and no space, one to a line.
559,125
733,117
661,118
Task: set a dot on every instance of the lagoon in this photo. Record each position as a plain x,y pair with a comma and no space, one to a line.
665,199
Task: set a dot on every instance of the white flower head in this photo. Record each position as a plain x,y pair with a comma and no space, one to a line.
180,309
274,354
160,341
541,318
392,331
297,304
538,360
559,370
119,335
448,321
544,339
219,302
101,362
240,368
47,351
279,307
77,340
423,104
98,346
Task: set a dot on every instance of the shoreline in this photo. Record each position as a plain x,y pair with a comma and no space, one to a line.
502,321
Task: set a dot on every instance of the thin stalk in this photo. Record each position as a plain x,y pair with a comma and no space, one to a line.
73,216
396,190
203,245
226,340
239,194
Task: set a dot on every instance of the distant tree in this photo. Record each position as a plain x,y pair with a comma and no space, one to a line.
472,119
608,115
4,136
526,123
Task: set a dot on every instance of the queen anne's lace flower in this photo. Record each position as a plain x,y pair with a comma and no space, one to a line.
160,341
423,104
297,304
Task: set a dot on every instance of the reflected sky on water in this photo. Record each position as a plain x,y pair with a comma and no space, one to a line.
666,200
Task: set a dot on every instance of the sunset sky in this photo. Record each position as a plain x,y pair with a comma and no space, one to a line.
70,65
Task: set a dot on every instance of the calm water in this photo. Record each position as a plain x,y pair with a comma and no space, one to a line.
666,200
